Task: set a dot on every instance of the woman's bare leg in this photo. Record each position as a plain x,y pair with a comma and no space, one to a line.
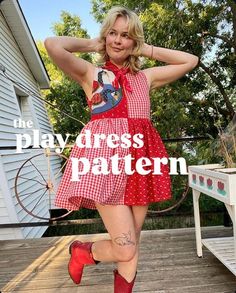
128,269
124,225
119,222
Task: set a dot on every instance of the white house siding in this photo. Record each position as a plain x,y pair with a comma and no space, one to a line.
7,233
6,205
41,116
18,70
8,112
31,109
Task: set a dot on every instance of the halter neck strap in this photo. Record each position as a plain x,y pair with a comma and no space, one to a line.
120,75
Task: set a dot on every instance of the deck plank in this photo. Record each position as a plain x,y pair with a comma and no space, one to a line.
168,264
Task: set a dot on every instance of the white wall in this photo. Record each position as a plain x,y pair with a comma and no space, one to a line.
18,70
31,109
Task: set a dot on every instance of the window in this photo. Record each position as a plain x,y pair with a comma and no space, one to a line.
21,98
19,102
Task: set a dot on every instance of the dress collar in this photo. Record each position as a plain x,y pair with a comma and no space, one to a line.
120,75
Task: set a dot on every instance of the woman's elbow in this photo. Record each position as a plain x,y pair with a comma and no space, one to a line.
194,61
49,42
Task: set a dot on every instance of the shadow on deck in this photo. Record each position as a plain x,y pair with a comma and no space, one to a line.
168,264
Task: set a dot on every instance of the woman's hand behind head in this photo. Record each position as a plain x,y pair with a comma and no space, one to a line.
98,45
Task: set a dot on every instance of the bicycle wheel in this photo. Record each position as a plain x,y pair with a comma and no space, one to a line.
36,184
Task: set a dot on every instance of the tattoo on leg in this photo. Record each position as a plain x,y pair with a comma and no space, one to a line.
124,240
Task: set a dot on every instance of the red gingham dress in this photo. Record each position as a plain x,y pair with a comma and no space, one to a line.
120,104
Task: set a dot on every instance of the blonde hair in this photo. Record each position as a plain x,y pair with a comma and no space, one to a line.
135,32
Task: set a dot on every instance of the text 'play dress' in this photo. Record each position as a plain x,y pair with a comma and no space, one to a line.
120,104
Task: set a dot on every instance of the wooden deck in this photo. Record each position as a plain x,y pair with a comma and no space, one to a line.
168,264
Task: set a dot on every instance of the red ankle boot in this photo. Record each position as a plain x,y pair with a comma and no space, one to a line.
121,285
80,255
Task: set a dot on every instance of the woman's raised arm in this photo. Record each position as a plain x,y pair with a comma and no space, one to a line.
179,63
61,49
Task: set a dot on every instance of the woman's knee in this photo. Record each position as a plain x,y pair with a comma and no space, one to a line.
124,252
125,246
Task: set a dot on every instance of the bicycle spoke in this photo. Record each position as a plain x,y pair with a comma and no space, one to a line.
38,201
60,170
31,179
32,192
38,171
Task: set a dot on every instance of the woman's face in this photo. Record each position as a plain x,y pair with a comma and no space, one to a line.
118,44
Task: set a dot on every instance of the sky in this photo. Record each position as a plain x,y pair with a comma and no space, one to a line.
40,15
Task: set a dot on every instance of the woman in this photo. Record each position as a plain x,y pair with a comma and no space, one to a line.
118,97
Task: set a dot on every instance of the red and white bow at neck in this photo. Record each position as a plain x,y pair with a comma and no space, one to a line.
120,75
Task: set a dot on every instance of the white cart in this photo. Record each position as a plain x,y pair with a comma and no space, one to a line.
219,183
